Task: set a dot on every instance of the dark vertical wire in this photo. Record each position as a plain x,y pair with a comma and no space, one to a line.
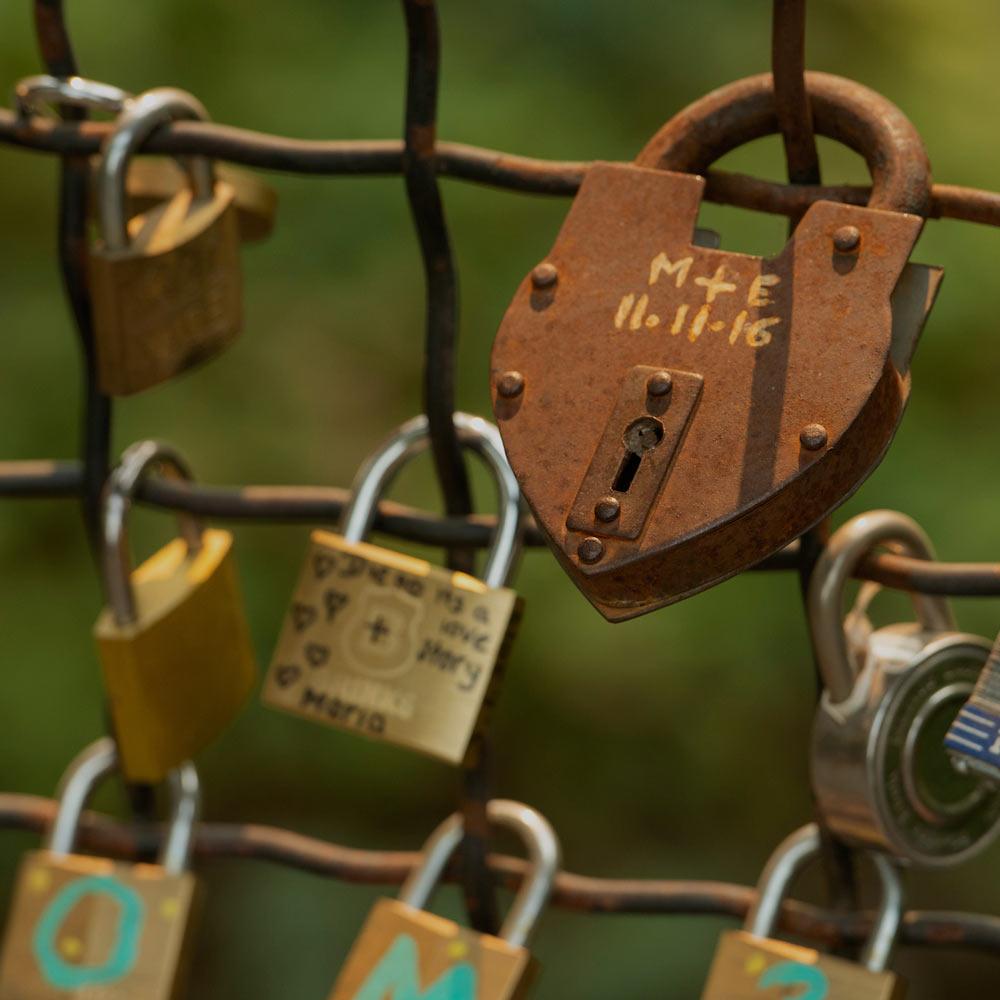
420,173
794,114
74,189
74,183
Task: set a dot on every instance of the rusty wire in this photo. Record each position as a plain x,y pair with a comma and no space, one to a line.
795,121
581,893
423,65
57,54
460,161
323,504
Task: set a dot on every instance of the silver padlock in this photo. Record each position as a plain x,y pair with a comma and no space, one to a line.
880,772
753,959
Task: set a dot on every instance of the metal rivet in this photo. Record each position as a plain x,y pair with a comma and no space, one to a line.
659,383
510,385
846,239
813,437
544,275
607,509
590,549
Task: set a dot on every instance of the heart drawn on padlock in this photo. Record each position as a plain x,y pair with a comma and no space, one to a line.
676,413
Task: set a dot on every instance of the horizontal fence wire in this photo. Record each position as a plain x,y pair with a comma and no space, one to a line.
464,162
582,893
323,505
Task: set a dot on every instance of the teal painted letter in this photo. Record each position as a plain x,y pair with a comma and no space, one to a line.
397,977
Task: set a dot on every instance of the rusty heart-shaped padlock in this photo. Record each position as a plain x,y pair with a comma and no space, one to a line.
676,413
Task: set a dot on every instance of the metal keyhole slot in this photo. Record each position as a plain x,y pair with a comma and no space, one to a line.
640,436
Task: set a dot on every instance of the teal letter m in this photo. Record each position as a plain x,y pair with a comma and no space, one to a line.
396,977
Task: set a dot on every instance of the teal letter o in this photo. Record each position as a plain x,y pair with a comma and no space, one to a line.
62,974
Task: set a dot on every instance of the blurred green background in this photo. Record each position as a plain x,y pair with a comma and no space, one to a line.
672,746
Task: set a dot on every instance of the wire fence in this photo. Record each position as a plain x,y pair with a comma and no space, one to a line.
422,160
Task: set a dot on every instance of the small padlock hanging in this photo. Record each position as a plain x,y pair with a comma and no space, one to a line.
752,960
388,645
174,643
403,950
676,413
880,772
166,286
85,926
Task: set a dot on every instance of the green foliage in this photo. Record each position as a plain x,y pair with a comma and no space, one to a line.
673,746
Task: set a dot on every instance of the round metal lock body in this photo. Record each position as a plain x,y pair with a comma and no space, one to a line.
880,770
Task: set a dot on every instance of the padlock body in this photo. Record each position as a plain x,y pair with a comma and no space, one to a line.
405,952
93,928
752,968
720,478
881,774
382,644
173,298
181,673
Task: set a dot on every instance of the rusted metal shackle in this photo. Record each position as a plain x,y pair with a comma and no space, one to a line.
844,110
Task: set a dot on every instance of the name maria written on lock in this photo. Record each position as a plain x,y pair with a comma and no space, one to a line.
388,646
693,318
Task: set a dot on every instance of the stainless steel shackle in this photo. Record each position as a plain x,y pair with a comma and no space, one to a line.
116,560
377,472
94,764
139,118
544,855
33,92
848,545
789,859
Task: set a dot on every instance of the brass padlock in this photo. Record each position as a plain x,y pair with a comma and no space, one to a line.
880,772
676,413
83,926
149,181
387,645
404,951
752,964
166,286
174,643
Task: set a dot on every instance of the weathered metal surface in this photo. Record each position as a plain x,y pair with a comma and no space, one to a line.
842,109
782,343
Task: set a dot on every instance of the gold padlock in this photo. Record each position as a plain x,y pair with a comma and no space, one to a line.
174,643
752,965
149,181
83,926
166,286
387,645
404,951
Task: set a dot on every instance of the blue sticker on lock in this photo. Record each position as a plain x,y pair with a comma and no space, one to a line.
797,974
62,974
975,737
397,977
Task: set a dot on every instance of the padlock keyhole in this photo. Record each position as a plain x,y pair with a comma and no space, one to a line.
640,436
